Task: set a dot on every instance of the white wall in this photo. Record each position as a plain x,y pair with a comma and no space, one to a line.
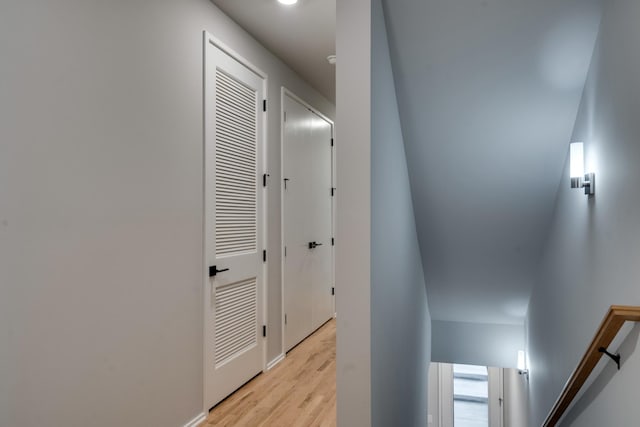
381,301
353,215
481,344
101,208
591,257
400,321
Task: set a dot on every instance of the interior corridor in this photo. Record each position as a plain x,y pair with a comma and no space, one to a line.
299,391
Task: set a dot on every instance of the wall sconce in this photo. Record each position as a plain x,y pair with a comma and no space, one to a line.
576,169
522,364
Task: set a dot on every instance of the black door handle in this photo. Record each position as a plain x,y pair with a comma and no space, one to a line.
213,270
313,245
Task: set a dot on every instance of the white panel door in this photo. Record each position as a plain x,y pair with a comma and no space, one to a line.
233,228
296,231
320,219
307,221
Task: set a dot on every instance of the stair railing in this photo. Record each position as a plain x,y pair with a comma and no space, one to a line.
609,328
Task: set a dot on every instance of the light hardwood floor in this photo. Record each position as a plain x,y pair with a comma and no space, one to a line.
299,391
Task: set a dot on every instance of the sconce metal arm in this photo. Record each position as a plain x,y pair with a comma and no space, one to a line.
588,183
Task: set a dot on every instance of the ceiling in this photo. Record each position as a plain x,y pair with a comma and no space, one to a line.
488,91
302,35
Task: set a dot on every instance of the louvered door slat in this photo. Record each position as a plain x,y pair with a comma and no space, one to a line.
236,173
238,151
232,154
239,90
239,138
237,111
233,117
241,99
236,319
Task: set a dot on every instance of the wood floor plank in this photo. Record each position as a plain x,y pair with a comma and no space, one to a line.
299,391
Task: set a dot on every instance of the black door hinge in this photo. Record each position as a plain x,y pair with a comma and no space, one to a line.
285,251
285,319
264,179
332,142
333,241
333,291
264,330
264,105
333,190
264,255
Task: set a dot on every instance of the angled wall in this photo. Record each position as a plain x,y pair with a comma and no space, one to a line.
353,212
384,327
400,321
591,259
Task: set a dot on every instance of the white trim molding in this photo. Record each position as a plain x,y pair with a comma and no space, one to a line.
275,361
197,420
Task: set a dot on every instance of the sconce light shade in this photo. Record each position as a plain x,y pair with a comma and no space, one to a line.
576,169
576,154
521,364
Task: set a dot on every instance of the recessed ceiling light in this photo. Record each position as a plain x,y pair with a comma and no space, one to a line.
288,2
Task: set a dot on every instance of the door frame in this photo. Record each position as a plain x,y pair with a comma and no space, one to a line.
211,41
496,396
284,92
446,393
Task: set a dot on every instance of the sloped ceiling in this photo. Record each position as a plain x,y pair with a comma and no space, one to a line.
488,91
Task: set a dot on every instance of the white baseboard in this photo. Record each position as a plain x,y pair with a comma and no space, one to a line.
275,361
197,420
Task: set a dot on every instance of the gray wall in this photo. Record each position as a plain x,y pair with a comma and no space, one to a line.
400,321
353,214
101,208
482,344
591,257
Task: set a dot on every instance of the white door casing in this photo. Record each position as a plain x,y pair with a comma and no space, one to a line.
446,394
307,217
233,221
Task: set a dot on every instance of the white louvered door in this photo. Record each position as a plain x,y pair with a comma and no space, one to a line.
233,224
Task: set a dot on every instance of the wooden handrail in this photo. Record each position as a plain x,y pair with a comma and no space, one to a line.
609,328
